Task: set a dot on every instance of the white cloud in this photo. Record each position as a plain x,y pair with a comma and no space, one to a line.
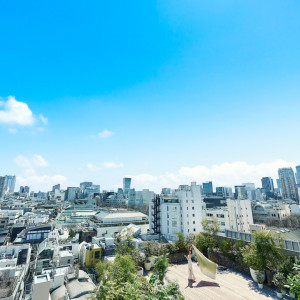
39,161
35,161
22,161
112,165
40,182
15,112
104,134
225,174
44,119
91,167
12,130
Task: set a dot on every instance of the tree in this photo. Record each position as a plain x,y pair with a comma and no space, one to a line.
263,253
72,233
207,239
160,267
124,242
211,227
180,244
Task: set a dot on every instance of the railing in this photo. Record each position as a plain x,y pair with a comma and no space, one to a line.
248,237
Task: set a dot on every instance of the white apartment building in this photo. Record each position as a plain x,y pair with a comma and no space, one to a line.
240,214
12,215
219,213
14,266
178,211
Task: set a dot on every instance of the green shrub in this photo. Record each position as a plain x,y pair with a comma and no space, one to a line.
181,244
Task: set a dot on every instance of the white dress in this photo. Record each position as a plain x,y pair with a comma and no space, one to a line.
190,266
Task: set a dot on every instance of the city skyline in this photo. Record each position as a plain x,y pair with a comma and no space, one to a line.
164,93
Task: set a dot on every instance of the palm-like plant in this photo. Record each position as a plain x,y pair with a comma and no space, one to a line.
160,267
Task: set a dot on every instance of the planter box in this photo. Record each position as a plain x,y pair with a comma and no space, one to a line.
147,266
254,274
177,258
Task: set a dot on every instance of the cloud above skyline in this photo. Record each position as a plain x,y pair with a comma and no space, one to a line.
225,174
35,161
112,165
15,112
40,182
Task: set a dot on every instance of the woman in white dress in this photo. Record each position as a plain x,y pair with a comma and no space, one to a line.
190,266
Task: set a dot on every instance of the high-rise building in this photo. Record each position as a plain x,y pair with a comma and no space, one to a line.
240,192
223,191
298,176
2,186
250,190
72,193
26,189
84,185
288,185
267,185
126,185
207,188
56,187
10,182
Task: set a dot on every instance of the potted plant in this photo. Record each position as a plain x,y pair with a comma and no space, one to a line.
147,264
252,259
293,283
140,270
160,267
278,281
260,279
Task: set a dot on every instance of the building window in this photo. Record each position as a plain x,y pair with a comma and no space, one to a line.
193,215
193,222
220,216
193,208
174,223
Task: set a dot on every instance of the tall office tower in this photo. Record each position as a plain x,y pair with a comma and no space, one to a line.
22,190
26,189
2,186
250,190
268,185
223,191
84,185
126,185
56,187
288,184
298,176
207,188
10,182
240,192
72,194
220,191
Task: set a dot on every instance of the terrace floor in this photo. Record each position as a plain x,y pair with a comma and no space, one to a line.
228,285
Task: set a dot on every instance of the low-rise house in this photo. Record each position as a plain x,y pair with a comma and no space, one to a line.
14,266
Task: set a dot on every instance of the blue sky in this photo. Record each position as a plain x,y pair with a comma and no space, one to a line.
164,91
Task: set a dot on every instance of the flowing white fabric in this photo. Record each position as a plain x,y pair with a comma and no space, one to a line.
207,267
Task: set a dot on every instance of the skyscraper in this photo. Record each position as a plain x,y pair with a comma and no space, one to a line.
298,176
288,183
207,188
267,185
10,182
240,192
126,185
2,186
250,190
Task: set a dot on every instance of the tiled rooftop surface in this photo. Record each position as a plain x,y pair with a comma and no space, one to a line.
228,285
